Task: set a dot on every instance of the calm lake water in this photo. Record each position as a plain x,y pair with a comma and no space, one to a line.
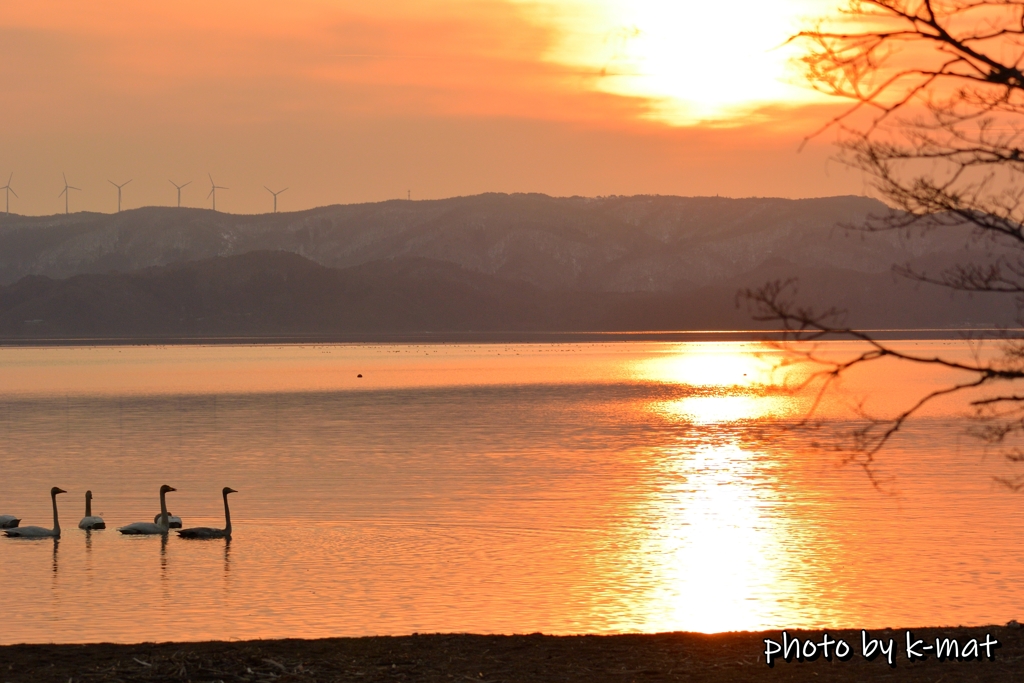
565,488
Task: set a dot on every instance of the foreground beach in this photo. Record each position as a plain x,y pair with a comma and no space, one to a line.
537,658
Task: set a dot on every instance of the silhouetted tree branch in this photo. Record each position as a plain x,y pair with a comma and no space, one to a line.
936,123
776,302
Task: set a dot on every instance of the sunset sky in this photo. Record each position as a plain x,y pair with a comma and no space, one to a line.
355,101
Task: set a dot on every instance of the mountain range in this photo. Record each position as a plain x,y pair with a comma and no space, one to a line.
491,262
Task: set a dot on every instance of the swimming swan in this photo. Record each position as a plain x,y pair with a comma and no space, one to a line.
9,521
172,521
147,528
38,531
207,532
89,522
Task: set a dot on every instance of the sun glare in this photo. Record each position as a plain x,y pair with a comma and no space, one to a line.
694,61
719,548
714,364
705,410
736,374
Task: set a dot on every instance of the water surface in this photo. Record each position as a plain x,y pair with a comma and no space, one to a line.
563,488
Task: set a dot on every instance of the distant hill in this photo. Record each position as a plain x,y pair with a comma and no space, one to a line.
606,244
492,262
277,293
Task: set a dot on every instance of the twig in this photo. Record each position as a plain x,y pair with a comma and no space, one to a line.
279,665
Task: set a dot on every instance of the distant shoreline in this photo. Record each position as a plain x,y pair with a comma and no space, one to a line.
533,658
494,337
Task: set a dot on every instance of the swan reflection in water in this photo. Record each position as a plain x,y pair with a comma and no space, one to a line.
163,556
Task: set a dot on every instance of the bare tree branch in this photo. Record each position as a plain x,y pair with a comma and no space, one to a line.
936,123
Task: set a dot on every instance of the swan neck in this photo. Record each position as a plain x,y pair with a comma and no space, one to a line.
227,517
163,511
88,506
56,519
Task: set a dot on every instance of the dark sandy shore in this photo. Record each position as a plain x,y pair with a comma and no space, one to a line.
539,658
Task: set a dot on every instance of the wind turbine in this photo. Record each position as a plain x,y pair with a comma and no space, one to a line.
179,189
119,191
9,191
67,194
213,191
275,195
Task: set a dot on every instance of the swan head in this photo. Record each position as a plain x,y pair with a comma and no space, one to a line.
54,491
227,490
167,489
88,495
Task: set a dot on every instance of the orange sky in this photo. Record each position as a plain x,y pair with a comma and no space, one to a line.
354,101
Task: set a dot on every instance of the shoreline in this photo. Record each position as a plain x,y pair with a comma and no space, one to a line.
540,337
538,658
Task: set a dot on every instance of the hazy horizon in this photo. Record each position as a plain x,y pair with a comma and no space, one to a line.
281,210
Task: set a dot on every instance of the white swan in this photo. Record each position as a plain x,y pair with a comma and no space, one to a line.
172,521
147,528
9,521
89,522
207,532
38,531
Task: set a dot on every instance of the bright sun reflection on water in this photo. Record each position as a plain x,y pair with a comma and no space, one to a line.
716,543
736,382
705,410
713,367
718,364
